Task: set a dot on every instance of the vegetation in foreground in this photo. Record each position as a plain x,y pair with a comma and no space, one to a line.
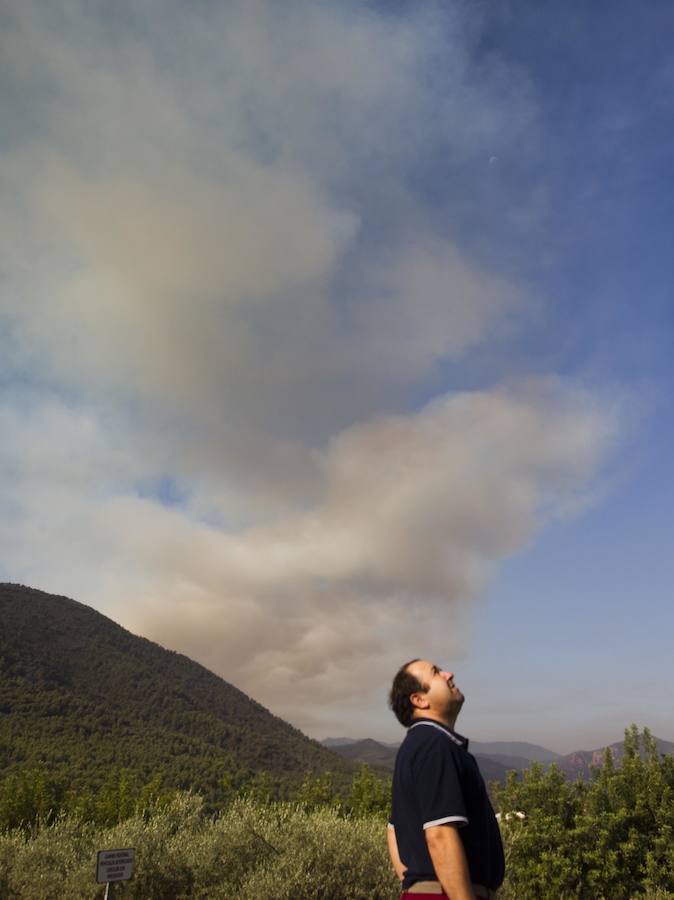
251,850
611,837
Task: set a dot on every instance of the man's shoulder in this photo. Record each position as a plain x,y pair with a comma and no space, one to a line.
426,736
428,729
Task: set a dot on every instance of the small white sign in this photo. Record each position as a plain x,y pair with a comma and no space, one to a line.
114,865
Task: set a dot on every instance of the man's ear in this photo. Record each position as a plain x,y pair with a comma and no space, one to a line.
420,700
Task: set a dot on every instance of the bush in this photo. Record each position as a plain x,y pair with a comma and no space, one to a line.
250,850
611,836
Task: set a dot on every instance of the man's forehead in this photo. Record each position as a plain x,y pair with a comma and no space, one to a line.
420,668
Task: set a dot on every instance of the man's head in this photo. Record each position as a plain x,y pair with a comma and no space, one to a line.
420,688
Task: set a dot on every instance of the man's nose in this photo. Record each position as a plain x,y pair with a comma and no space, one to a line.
447,675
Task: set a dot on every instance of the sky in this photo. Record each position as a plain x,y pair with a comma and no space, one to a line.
334,334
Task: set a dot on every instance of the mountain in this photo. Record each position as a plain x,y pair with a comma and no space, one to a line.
521,749
496,758
508,762
83,695
382,756
512,754
367,751
577,765
491,769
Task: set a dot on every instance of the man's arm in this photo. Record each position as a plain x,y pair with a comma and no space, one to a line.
449,861
398,864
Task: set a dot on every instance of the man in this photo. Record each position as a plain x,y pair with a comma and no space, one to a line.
443,836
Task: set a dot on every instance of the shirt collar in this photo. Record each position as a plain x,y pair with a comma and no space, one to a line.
456,737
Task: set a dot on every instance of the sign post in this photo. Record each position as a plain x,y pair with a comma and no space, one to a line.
114,865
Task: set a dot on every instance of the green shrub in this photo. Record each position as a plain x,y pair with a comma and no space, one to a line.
251,850
608,837
612,837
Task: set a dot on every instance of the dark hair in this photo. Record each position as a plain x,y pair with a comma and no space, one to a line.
404,684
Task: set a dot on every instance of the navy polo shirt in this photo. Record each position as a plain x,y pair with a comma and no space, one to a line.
437,782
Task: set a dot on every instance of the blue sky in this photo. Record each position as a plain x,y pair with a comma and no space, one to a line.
333,334
588,605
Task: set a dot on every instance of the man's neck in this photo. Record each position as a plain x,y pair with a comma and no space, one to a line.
448,721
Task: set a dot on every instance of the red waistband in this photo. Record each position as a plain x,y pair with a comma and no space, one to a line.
480,892
407,896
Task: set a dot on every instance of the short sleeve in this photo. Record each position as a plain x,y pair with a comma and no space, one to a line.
438,787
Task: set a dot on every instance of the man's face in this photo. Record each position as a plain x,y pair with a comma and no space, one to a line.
441,697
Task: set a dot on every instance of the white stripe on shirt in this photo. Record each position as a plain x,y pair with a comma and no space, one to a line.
445,821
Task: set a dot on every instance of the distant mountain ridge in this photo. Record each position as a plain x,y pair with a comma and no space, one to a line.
338,742
578,764
521,749
367,751
495,758
515,749
82,695
382,756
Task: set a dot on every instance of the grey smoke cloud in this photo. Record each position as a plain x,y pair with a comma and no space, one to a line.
413,512
221,288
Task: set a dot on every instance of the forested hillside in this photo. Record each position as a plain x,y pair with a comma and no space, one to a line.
84,696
